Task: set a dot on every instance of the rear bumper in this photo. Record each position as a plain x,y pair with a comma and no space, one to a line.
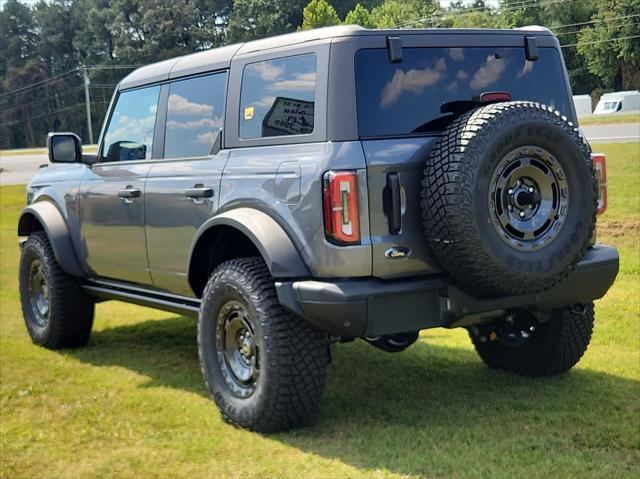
371,307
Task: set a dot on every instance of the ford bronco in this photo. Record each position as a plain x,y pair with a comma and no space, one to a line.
323,186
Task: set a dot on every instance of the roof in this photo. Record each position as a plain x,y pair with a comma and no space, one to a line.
218,58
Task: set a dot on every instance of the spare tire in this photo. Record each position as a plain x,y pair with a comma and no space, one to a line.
509,199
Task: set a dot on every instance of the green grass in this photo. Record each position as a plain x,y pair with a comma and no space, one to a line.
132,403
609,119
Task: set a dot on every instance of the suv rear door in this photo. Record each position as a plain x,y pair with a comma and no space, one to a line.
182,189
399,121
112,190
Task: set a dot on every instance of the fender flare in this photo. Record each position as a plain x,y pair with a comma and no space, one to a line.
278,251
57,231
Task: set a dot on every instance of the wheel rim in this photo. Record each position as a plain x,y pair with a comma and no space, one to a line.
528,198
39,293
237,350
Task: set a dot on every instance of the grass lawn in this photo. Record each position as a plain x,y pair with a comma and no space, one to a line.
133,404
609,119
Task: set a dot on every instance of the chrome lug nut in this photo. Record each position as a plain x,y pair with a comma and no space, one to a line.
522,214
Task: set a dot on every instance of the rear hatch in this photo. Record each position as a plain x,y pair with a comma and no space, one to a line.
400,119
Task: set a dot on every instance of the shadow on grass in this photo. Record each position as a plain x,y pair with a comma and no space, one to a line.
398,412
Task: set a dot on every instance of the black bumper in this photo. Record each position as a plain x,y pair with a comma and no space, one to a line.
371,307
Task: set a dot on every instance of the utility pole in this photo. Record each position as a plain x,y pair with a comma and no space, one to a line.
87,102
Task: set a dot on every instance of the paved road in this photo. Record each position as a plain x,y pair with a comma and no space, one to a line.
19,169
621,132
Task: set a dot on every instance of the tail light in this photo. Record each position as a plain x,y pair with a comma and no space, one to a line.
599,161
340,195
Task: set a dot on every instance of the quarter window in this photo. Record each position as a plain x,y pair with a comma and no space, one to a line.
278,97
130,132
195,113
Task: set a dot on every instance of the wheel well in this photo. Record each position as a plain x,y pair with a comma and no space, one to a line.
215,246
28,224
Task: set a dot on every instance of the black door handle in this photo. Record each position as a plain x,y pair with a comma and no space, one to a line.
199,192
393,203
129,193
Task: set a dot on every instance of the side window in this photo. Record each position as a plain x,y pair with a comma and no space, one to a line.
129,135
195,114
278,97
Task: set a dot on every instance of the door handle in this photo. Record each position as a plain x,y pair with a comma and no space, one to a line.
199,191
393,203
129,193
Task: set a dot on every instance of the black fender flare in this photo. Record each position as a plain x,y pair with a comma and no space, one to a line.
278,251
54,225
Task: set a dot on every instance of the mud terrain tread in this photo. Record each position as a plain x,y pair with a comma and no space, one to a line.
297,353
447,200
562,341
71,308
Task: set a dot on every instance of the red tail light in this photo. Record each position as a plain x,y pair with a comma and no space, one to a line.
340,191
600,170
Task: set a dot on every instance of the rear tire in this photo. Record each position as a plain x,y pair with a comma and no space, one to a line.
57,311
509,199
553,346
265,368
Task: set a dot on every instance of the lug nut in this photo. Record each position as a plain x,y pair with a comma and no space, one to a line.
522,214
531,189
510,191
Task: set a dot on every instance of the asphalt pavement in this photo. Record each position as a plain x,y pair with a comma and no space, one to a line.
18,169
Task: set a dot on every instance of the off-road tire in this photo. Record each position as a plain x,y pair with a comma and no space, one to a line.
293,355
71,309
456,207
555,346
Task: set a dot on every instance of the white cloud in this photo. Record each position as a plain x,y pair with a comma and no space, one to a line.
488,73
266,102
462,75
526,68
179,105
300,82
132,129
215,123
207,138
456,53
452,86
268,71
413,81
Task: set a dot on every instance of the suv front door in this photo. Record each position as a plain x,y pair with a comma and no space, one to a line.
182,189
112,190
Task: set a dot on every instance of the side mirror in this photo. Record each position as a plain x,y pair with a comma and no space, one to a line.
64,148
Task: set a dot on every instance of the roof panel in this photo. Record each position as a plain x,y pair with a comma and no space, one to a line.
213,59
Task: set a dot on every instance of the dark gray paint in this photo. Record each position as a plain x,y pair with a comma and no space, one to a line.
270,190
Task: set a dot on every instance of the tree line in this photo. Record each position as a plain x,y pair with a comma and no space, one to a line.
49,44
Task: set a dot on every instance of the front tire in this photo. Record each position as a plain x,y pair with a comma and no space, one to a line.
58,313
522,345
265,368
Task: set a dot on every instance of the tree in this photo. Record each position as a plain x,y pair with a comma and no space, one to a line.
606,47
399,13
318,13
359,16
253,19
17,36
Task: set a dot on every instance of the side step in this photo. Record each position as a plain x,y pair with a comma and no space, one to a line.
144,297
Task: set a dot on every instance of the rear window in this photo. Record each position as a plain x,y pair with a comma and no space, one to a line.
278,97
405,98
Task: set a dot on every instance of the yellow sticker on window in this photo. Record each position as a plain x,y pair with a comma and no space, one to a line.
248,113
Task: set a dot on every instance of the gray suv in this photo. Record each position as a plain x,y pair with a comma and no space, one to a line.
323,186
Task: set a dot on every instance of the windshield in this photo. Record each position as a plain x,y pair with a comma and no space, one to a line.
610,106
405,98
